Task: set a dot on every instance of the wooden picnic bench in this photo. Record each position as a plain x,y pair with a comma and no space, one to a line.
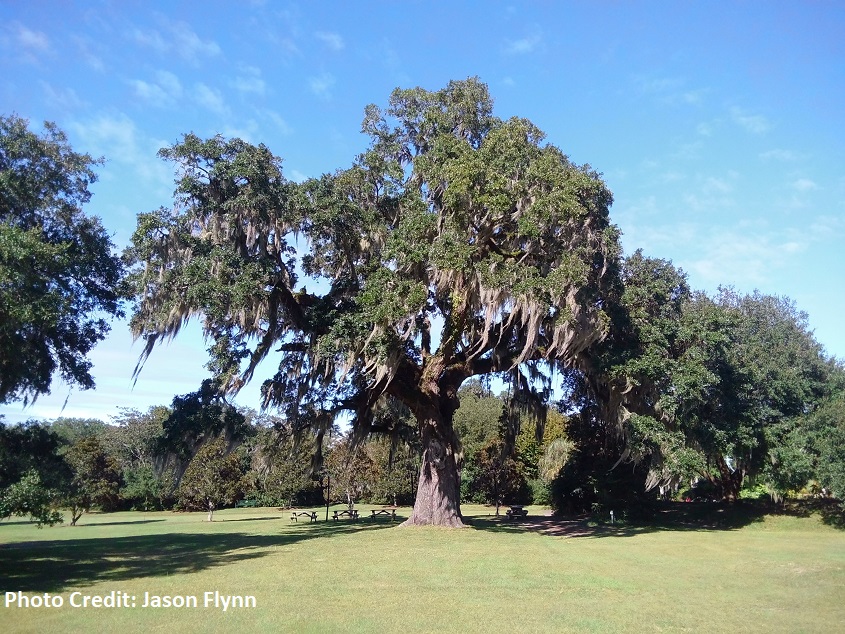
377,512
516,512
352,514
311,515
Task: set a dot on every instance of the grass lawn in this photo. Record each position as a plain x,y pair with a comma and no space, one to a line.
759,574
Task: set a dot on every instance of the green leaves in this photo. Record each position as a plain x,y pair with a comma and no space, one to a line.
30,497
213,479
96,477
456,245
58,277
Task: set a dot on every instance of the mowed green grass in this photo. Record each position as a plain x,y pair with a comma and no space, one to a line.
773,574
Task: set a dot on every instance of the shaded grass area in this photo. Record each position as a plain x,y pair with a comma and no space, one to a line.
104,556
690,569
55,566
673,516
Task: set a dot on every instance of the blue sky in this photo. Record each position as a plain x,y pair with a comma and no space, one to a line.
717,125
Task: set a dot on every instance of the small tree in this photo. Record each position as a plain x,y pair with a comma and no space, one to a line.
96,478
351,471
30,497
280,470
214,478
147,489
133,440
497,476
395,470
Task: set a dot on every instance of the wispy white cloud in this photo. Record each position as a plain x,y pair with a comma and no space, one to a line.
651,84
34,41
826,227
704,129
754,123
177,38
745,251
779,155
672,176
190,44
277,120
508,81
85,47
523,45
669,90
210,99
804,184
738,255
164,92
713,184
746,254
149,92
250,81
296,175
64,98
687,150
151,39
392,62
288,46
246,129
333,40
693,97
25,44
711,195
116,137
169,83
321,85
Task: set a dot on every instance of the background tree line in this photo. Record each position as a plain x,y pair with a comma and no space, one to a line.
748,404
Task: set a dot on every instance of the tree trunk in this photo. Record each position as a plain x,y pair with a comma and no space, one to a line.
438,500
730,481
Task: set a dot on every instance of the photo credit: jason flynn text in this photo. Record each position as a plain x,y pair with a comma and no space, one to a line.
114,599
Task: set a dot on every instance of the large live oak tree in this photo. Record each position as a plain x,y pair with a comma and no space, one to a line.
457,245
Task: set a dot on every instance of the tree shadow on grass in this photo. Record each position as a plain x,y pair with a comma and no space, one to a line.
831,511
692,516
96,524
59,565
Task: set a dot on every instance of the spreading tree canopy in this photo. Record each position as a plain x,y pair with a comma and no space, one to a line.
458,244
59,281
706,387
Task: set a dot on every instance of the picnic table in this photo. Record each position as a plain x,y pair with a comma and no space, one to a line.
517,511
351,514
376,512
311,515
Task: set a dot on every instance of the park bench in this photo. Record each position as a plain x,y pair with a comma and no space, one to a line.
516,512
311,515
389,512
353,514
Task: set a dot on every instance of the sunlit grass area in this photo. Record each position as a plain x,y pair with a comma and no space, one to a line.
760,573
